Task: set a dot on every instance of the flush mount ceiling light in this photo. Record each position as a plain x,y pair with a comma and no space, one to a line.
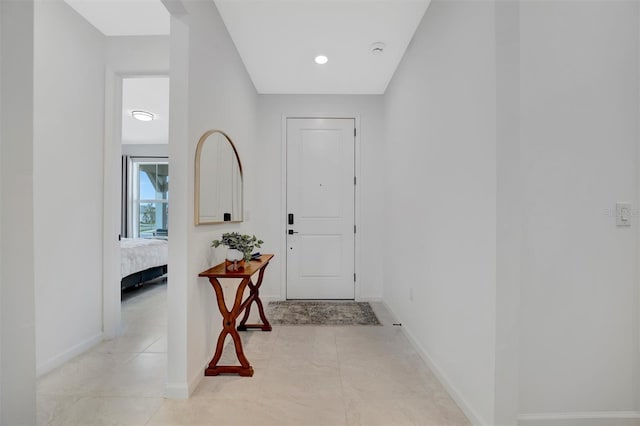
321,59
377,48
142,115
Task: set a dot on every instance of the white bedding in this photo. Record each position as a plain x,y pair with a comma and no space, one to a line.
140,254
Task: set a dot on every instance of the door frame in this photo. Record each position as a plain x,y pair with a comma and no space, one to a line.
283,191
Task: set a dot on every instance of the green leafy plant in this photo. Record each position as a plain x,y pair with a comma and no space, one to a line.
244,243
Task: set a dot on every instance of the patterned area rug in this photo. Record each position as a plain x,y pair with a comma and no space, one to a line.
293,312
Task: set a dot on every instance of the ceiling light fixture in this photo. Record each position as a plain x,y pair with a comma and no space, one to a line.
142,115
377,48
321,59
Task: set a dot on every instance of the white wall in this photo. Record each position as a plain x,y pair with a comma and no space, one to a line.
441,181
267,217
132,55
146,149
68,182
579,133
210,89
509,213
17,328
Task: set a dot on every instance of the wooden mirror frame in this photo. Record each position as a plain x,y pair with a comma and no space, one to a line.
199,147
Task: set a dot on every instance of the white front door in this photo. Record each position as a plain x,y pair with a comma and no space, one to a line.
320,208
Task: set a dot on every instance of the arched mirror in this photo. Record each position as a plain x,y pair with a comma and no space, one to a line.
218,185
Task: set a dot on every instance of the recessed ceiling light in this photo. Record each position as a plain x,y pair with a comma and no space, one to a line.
142,115
321,59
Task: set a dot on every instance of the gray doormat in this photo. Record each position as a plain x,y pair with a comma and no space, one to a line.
294,312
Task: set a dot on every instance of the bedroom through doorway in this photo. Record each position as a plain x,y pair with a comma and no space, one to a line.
144,212
144,219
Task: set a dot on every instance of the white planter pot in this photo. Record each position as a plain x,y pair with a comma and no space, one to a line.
234,255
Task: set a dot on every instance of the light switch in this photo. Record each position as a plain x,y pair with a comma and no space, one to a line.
623,214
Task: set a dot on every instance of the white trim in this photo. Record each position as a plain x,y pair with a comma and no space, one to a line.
184,390
283,206
597,418
271,298
636,365
195,380
176,391
356,218
370,299
67,355
111,308
468,410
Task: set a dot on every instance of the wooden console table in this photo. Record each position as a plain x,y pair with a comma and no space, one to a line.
239,306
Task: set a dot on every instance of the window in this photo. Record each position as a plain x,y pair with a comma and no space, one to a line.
150,198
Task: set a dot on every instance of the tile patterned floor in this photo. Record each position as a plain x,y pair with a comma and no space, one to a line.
305,375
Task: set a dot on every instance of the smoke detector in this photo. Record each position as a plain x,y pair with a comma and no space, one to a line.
377,48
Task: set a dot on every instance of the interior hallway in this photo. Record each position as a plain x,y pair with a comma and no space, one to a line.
304,375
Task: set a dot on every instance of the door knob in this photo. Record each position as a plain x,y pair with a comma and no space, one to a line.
291,232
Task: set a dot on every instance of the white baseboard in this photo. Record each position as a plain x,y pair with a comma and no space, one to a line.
183,390
599,418
176,391
267,299
369,299
603,418
466,408
67,355
196,379
278,298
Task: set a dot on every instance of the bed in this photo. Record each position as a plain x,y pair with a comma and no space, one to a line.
142,260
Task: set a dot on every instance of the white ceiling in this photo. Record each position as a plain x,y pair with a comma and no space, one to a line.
124,17
279,39
149,94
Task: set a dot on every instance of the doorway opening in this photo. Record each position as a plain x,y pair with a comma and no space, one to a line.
144,253
137,158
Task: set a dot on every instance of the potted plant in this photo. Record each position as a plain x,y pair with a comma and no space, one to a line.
239,248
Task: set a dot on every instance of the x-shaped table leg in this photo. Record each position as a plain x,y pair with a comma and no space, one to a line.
254,296
229,327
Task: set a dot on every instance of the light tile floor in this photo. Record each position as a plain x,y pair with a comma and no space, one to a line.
361,375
